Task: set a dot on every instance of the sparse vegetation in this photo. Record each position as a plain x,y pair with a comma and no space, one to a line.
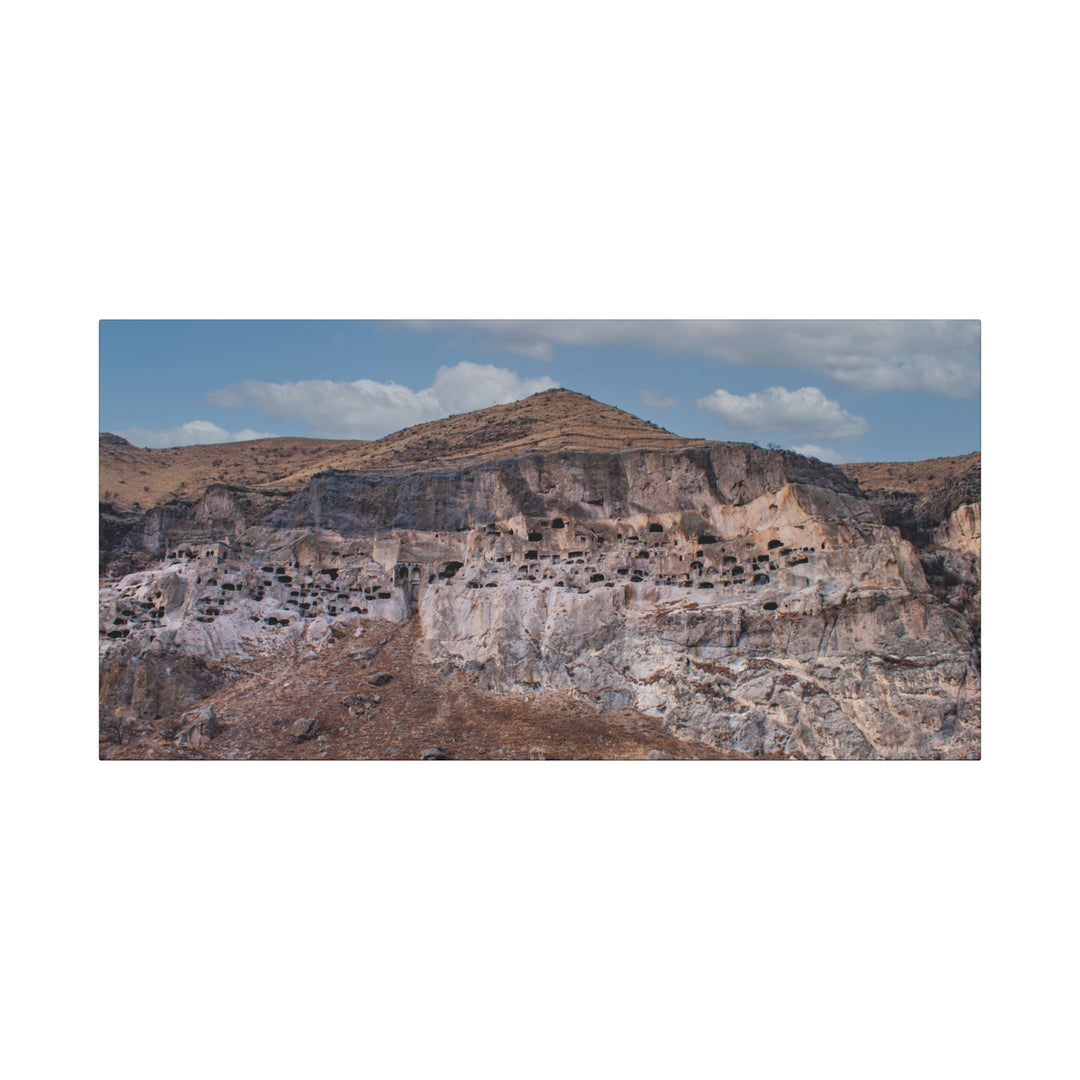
114,725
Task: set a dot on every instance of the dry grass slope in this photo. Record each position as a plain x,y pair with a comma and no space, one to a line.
918,477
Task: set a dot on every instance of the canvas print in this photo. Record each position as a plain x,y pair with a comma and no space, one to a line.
539,540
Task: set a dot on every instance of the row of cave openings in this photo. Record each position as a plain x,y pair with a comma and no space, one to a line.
135,614
730,569
309,600
306,601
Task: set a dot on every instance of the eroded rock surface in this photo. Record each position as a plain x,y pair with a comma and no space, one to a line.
755,600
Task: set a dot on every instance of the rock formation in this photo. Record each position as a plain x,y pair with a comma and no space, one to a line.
756,601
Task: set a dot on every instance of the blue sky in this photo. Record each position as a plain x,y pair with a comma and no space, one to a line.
841,390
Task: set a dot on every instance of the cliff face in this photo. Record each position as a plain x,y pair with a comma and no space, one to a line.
937,505
580,485
131,541
752,599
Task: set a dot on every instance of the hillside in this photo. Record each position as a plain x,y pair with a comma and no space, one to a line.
917,477
132,477
551,578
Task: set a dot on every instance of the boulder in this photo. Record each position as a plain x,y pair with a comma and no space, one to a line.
304,728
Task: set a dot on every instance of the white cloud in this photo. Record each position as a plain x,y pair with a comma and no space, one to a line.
822,453
807,413
193,433
938,356
534,350
366,409
657,401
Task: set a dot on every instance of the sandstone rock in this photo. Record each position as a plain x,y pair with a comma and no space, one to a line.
318,633
962,530
199,730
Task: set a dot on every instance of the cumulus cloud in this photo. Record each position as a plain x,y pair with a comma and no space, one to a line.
938,356
193,433
807,413
366,409
822,453
657,401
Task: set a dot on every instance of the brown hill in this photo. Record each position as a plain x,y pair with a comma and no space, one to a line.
918,477
132,477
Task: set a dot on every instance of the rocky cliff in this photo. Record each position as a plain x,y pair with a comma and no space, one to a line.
751,600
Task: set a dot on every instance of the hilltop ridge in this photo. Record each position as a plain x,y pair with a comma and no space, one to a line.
132,477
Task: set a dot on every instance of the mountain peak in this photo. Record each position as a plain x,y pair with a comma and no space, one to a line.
557,419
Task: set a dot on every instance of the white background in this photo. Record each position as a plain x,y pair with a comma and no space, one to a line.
566,160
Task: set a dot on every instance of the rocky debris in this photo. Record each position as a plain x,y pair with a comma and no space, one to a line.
538,755
658,755
380,678
434,753
368,653
358,704
361,698
303,729
199,730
